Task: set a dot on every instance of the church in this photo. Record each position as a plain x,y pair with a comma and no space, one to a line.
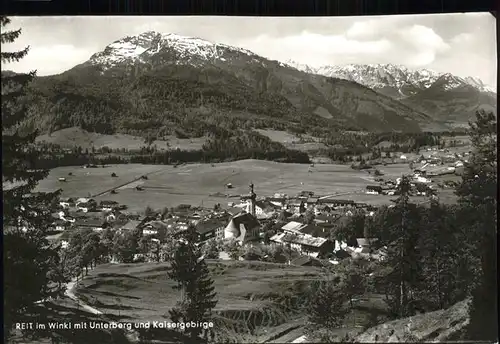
244,227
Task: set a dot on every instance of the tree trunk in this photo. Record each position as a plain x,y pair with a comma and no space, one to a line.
403,299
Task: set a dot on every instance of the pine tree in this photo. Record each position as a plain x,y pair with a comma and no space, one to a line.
402,253
440,257
326,310
190,271
309,217
478,192
27,258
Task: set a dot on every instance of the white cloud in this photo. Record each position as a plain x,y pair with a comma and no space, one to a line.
314,49
421,45
370,29
424,37
51,59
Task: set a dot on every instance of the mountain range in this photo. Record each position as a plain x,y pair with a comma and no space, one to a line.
443,96
165,83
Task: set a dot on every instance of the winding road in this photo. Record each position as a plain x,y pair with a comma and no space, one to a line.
70,286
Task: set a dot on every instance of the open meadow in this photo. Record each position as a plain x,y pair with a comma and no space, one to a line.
194,184
257,301
71,137
255,297
292,141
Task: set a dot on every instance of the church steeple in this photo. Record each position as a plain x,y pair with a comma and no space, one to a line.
252,197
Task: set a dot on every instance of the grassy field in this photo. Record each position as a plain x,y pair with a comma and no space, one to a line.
167,186
196,184
78,137
251,295
257,302
85,181
291,141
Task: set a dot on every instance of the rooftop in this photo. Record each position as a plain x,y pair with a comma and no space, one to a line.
131,225
303,260
293,226
207,226
301,239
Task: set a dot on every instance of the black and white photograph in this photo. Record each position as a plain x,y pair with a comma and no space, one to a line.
218,179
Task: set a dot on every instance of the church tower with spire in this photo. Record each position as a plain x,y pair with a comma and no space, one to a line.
251,199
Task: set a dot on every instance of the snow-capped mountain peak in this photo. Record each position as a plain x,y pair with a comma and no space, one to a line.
183,49
402,80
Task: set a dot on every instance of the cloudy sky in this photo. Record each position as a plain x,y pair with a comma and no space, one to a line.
462,44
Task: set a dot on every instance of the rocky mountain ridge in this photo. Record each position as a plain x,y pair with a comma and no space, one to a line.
406,81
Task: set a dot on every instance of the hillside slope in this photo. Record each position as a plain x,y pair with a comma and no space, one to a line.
168,84
442,325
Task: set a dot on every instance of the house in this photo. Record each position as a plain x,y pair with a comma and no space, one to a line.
93,223
374,189
131,225
323,208
108,205
59,225
306,261
366,244
209,229
311,201
296,206
232,211
83,200
66,202
242,227
86,204
278,201
316,231
337,202
261,208
152,227
304,243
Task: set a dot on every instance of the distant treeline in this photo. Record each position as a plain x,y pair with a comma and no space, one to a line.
223,145
242,145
